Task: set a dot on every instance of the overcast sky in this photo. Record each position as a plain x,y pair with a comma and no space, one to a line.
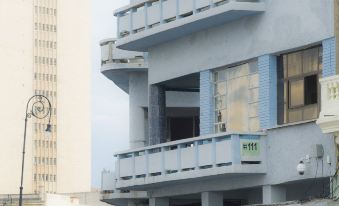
109,103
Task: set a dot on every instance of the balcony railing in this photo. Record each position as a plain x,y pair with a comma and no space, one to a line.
329,115
158,21
191,158
112,55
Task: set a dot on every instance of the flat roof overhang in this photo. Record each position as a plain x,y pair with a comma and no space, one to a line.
143,40
119,73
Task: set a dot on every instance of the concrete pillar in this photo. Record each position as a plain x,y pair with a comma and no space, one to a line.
273,194
157,114
158,202
212,199
137,120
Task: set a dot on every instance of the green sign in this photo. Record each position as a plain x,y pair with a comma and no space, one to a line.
250,148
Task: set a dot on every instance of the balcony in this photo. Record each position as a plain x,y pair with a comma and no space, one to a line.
329,115
190,159
117,63
113,196
146,23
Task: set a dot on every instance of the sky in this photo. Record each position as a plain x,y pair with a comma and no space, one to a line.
109,110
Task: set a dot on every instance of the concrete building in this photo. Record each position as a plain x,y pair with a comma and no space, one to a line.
232,102
44,49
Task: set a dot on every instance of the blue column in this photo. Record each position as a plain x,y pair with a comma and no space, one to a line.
267,67
206,103
329,57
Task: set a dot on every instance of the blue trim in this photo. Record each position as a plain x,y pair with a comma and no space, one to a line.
206,103
252,137
267,67
329,57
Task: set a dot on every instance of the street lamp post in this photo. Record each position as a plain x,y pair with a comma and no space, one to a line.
38,106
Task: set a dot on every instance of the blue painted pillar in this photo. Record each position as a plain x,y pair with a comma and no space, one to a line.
206,103
267,67
329,57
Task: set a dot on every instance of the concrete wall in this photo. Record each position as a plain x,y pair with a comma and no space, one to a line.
300,23
74,134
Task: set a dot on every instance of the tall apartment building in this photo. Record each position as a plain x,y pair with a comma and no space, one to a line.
232,102
44,49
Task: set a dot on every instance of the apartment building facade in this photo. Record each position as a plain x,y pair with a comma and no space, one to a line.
41,44
227,99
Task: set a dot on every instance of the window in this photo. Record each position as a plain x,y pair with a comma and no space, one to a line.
236,96
299,74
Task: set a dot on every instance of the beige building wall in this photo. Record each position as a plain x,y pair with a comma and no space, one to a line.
69,96
16,83
74,142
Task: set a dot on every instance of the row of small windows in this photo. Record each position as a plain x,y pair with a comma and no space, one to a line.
44,161
45,77
45,60
45,10
45,177
47,144
42,127
45,44
45,27
46,93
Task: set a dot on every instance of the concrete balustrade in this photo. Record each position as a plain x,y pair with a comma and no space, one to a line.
110,54
329,115
146,15
191,158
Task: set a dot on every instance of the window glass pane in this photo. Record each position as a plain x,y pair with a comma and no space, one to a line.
221,115
253,95
234,96
294,63
220,128
254,124
295,115
220,102
253,110
238,104
296,93
220,75
311,90
238,71
311,112
220,88
253,67
285,65
254,80
310,60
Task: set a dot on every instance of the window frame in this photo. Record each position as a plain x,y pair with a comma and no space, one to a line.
284,86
